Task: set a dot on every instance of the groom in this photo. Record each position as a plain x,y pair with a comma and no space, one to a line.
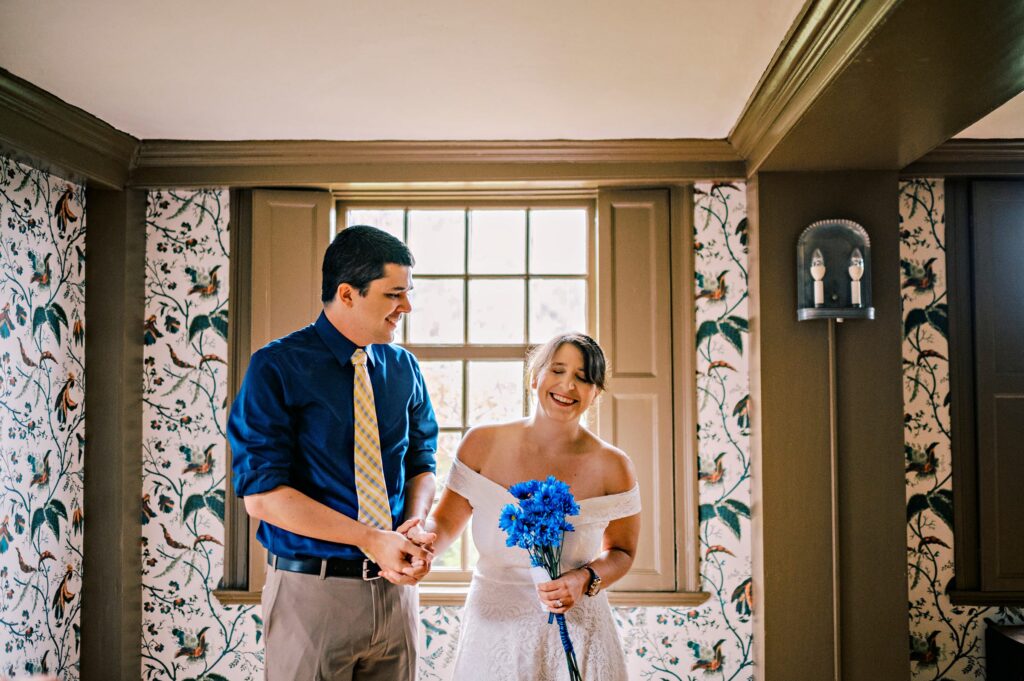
333,438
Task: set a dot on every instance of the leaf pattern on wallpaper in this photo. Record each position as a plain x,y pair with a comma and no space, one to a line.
946,640
42,336
187,633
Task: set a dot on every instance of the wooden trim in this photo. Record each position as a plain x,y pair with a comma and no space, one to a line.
61,138
684,389
438,595
111,616
339,164
825,37
970,157
236,520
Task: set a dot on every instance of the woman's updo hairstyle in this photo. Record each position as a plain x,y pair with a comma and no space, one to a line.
594,364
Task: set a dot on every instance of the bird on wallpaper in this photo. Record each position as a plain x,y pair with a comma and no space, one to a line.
921,278
708,659
205,285
150,332
192,646
65,216
44,556
930,541
40,469
201,466
717,548
923,462
25,567
211,358
924,652
743,597
147,511
204,538
171,541
41,272
6,323
714,292
63,404
178,361
63,595
714,476
5,534
45,355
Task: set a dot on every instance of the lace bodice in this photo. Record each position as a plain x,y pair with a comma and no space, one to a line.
505,635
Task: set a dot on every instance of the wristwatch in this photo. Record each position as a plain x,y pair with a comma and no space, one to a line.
595,582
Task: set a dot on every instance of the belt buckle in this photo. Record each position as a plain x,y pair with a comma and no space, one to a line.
366,571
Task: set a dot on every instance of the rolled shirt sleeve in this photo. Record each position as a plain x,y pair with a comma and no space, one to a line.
423,430
261,430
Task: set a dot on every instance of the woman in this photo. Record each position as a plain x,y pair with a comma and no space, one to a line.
505,634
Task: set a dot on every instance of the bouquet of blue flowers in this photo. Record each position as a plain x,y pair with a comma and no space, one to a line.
538,524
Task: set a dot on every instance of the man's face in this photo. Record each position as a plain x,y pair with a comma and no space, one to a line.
375,316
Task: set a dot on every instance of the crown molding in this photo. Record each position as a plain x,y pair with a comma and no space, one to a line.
978,157
825,37
334,163
38,127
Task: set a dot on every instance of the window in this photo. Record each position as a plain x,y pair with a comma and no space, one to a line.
489,283
493,277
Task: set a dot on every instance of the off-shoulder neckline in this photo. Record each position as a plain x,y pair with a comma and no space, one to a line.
634,489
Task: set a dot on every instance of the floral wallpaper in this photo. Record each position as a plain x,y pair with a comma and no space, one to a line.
946,641
42,354
187,634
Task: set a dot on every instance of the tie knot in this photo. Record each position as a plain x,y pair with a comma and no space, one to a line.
359,357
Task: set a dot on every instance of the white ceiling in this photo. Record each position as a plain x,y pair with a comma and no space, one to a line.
399,69
408,69
1006,122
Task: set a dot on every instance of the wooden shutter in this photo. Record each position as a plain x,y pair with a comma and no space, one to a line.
635,329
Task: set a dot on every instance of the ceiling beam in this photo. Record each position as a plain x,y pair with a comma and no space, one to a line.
338,164
878,84
47,132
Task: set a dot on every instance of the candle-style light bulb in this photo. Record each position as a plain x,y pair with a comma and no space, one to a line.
856,271
818,274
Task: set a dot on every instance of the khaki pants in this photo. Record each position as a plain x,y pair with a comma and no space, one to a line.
338,628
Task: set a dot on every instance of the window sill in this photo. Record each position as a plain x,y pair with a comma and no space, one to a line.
455,595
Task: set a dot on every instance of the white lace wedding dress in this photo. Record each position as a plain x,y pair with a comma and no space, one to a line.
505,635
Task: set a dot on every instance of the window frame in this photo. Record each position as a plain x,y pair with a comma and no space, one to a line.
241,549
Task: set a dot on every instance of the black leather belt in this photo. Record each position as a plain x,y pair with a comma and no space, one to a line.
363,568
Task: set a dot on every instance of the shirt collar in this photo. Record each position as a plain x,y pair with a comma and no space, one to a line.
340,346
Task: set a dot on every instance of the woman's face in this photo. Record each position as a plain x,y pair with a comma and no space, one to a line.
560,389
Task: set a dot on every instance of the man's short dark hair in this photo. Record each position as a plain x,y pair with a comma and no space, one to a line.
357,256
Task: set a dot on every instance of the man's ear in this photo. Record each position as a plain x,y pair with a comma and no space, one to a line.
345,294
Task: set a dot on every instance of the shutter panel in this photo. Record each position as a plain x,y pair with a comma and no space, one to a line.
635,330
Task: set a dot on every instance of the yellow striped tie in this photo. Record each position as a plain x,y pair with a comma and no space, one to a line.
374,507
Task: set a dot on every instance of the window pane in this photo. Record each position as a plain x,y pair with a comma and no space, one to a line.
495,391
437,239
437,312
444,383
451,558
558,241
557,306
391,221
497,241
447,445
496,310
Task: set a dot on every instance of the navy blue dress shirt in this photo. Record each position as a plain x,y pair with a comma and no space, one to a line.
291,424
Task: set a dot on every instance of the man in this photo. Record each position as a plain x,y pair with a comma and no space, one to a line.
333,438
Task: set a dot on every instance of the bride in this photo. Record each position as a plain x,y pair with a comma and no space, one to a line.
505,633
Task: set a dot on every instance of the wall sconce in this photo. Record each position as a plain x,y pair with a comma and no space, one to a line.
834,272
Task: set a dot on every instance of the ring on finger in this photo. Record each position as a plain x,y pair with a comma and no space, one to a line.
558,603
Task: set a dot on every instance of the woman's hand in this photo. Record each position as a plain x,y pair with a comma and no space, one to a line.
563,593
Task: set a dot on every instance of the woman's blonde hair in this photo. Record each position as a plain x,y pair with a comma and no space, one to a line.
594,363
